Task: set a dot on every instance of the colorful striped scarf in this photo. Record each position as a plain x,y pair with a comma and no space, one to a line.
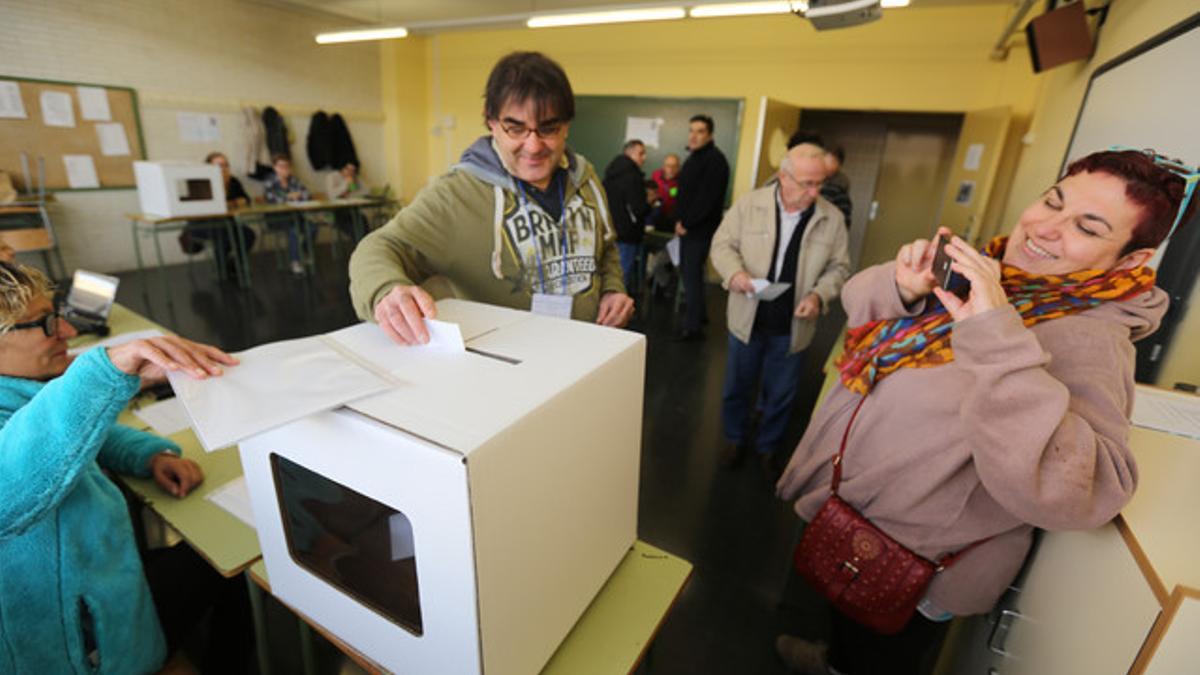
876,349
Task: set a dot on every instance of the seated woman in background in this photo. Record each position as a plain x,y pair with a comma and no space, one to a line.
987,415
74,594
282,187
195,234
345,184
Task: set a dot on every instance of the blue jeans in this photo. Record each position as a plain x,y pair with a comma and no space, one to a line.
630,257
766,357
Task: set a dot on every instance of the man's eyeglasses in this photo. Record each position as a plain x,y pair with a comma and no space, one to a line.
48,323
1189,174
804,184
518,131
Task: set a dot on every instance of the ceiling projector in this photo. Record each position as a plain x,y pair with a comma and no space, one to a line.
830,14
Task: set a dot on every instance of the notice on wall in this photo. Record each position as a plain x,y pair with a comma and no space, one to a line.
644,129
113,141
974,156
56,109
198,128
966,192
81,171
93,104
11,105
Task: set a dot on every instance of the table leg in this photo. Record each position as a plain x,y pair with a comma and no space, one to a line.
137,251
308,656
260,625
242,255
162,269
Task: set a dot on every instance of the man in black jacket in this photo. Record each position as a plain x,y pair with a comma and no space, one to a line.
703,181
625,185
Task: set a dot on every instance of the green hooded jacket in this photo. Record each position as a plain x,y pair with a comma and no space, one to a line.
472,227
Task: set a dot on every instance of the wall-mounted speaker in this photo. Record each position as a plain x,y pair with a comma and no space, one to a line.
1059,36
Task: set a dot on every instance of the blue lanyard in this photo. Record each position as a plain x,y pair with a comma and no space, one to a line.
562,226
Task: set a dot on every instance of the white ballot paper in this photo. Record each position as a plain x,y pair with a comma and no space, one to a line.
1174,412
765,290
165,417
673,251
275,384
11,105
234,497
93,103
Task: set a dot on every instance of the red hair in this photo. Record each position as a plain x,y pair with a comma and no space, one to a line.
1155,189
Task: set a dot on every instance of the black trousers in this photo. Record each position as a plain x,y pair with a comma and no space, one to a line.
185,588
855,650
693,257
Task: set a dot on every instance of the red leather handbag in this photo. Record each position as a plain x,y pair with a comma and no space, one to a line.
870,577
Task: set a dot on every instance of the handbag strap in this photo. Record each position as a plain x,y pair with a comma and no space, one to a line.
943,562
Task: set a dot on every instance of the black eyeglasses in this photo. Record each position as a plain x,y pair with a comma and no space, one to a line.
518,131
48,323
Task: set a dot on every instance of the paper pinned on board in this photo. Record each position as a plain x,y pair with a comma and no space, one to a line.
93,104
113,141
234,497
11,105
81,171
644,129
56,109
165,417
766,290
1171,411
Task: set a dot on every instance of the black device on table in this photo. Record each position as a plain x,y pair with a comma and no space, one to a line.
89,301
948,279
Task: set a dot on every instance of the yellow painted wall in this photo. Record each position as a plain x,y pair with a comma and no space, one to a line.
915,59
405,96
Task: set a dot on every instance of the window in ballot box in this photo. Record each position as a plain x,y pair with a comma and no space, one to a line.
361,547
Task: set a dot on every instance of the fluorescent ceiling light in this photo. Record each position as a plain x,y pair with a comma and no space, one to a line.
617,16
892,4
740,9
361,35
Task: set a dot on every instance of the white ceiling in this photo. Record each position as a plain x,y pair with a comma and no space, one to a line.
413,13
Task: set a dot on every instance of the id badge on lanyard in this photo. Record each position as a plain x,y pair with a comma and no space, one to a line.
552,304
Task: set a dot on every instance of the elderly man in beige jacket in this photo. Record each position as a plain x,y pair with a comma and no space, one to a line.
782,233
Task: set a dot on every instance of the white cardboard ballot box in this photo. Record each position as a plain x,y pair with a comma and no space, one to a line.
463,520
178,188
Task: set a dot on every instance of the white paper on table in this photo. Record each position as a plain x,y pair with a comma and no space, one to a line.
1170,411
117,340
56,109
11,105
673,251
766,290
93,104
113,141
644,129
81,171
274,384
165,417
234,497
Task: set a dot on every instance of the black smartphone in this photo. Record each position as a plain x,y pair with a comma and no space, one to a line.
947,279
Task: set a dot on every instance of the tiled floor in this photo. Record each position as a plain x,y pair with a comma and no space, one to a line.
727,523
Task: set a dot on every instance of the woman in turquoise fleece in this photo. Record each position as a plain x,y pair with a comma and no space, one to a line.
73,595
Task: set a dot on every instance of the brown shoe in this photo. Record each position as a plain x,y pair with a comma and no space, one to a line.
732,455
802,656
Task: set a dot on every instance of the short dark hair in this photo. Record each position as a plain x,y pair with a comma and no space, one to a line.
631,144
523,76
280,155
708,121
840,153
213,155
1155,190
805,136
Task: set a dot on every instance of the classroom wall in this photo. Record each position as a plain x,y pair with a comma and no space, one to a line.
210,57
914,59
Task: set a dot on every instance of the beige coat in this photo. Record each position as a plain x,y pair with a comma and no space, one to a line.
745,241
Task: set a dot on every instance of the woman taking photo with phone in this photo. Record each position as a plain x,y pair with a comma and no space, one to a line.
971,419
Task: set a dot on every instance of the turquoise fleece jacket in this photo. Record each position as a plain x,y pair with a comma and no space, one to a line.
66,542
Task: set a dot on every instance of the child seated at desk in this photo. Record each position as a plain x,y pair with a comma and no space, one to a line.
75,596
280,188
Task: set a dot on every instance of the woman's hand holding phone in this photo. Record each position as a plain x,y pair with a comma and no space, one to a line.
982,272
914,269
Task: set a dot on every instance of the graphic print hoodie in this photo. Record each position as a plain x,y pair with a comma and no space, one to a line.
472,227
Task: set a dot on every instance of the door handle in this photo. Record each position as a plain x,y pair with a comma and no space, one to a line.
1000,630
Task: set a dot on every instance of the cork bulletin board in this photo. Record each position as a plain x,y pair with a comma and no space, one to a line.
88,134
